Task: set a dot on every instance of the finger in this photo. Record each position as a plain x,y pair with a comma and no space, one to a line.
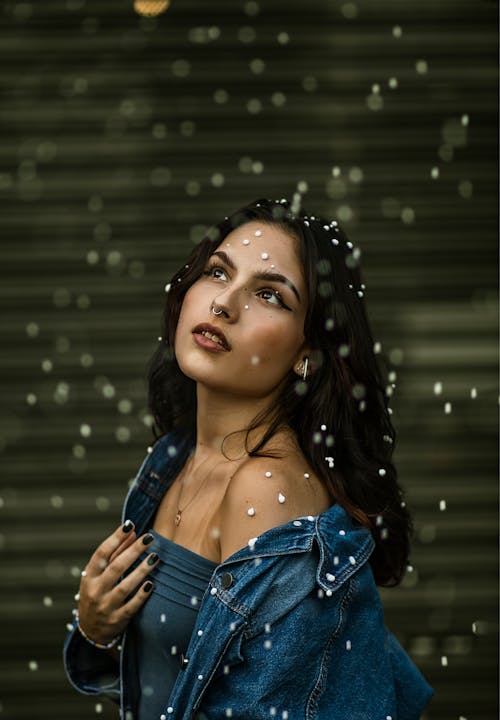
128,557
130,583
101,557
136,602
131,538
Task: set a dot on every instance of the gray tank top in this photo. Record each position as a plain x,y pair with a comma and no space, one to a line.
162,628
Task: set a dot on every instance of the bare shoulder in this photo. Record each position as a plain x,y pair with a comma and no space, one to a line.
267,492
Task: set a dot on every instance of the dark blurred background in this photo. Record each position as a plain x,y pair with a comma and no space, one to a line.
122,139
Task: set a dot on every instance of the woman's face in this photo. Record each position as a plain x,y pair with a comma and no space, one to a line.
262,318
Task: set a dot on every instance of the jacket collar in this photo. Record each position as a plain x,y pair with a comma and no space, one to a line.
344,545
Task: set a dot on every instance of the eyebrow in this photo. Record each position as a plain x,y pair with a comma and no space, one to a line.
262,275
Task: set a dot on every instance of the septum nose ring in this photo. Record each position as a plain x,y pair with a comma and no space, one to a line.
215,312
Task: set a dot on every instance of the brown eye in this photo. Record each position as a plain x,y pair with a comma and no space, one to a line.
274,294
211,270
278,297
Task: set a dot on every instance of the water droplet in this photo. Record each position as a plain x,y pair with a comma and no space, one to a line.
85,430
122,434
61,297
254,106
375,102
465,189
310,83
102,503
421,67
278,99
86,360
257,66
57,502
32,329
349,10
407,215
217,179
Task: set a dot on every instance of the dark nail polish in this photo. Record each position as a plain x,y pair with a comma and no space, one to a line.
147,539
152,559
127,526
148,586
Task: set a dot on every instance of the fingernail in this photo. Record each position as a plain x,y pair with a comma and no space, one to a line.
152,559
147,539
148,586
127,526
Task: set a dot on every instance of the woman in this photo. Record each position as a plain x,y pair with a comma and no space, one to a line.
242,582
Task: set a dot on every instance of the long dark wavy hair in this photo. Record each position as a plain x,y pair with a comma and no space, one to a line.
340,412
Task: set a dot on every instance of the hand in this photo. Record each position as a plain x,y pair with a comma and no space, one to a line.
103,612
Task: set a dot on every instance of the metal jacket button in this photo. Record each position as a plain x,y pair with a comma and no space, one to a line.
183,662
226,580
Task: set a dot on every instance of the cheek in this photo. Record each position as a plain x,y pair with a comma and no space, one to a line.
277,340
193,303
186,318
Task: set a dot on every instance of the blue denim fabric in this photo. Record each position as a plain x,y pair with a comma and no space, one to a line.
294,630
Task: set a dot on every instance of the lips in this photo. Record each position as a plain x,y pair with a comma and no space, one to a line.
203,328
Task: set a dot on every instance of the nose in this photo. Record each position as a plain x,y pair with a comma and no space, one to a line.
230,301
217,310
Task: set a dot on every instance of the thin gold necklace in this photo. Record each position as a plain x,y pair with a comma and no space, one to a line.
178,514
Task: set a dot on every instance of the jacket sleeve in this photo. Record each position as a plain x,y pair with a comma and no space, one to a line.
90,670
406,675
365,674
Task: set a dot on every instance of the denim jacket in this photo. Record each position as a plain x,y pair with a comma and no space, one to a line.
291,626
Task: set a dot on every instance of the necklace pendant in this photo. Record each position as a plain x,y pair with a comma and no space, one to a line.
178,517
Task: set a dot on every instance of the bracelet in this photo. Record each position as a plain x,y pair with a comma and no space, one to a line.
100,646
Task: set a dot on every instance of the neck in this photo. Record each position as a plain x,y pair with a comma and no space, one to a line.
218,415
